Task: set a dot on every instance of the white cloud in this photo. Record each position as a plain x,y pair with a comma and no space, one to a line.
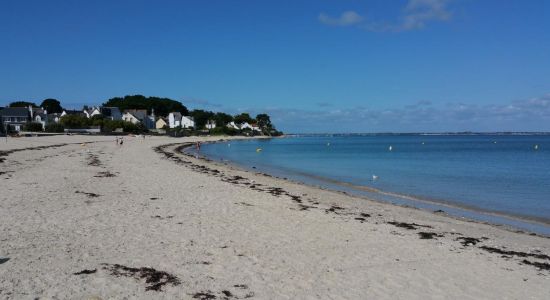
191,101
347,18
419,12
416,15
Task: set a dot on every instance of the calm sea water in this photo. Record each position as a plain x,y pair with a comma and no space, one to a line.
498,174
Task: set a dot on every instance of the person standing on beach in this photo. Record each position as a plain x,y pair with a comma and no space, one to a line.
121,141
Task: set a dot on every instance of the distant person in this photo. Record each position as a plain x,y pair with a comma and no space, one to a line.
121,141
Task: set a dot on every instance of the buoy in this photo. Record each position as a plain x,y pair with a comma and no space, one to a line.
536,147
390,148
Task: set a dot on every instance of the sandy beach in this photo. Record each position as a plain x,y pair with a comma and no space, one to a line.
84,218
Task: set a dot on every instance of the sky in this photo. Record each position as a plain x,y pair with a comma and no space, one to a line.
314,66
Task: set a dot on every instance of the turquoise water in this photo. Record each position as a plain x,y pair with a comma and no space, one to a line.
468,175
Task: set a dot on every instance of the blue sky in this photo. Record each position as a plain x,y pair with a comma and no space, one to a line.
315,66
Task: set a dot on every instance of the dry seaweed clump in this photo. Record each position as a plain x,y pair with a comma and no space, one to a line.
154,279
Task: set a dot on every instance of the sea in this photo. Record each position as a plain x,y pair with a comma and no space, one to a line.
501,179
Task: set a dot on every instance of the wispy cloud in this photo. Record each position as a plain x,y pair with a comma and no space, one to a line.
419,12
415,15
324,104
424,116
199,102
347,18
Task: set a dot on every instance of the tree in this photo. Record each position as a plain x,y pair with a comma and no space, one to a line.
162,106
222,119
201,117
243,118
22,104
264,122
52,106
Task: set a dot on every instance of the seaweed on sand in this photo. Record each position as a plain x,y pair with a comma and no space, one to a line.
155,279
409,226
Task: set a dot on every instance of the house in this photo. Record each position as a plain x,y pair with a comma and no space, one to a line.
13,118
40,116
233,125
137,116
90,112
161,123
72,112
174,119
211,124
111,113
55,117
130,117
255,127
187,122
245,125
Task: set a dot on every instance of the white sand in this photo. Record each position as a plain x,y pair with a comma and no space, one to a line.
217,236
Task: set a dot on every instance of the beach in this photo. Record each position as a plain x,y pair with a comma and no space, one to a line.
84,218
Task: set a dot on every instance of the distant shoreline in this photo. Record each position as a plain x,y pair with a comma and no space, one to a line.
515,133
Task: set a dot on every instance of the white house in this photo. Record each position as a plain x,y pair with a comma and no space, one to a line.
90,112
129,117
211,124
139,116
245,125
41,117
55,117
187,122
174,119
233,125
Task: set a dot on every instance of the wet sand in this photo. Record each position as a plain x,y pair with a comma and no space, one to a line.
142,221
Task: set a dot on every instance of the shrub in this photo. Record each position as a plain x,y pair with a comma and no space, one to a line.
224,131
74,121
55,127
32,126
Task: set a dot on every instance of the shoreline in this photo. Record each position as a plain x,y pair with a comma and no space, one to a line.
513,223
96,220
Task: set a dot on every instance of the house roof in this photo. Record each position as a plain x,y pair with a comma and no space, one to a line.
176,114
73,112
139,114
108,111
15,112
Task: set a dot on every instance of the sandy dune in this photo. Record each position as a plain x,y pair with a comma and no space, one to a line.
140,222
